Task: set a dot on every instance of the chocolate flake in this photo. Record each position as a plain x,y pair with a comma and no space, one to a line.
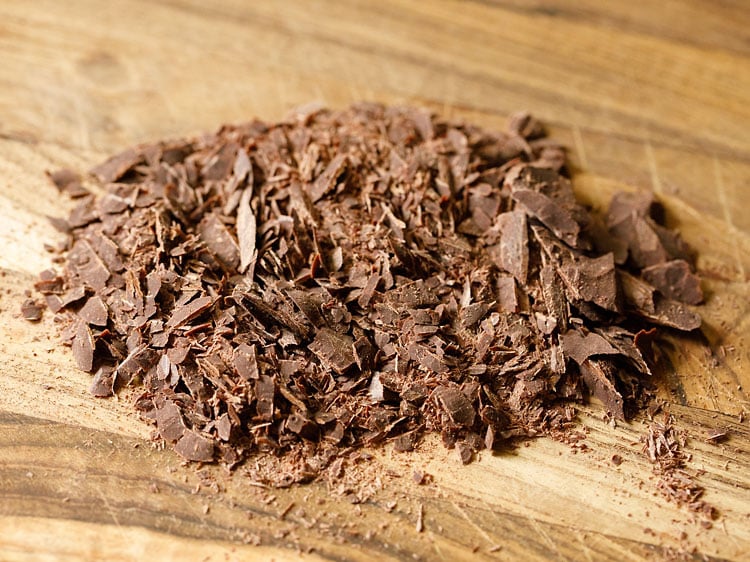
335,350
195,447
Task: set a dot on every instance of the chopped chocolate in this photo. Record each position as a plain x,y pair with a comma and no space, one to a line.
117,166
514,245
674,280
456,405
32,310
334,349
83,347
94,312
68,181
195,447
347,278
580,347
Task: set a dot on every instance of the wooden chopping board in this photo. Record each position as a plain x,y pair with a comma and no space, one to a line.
646,96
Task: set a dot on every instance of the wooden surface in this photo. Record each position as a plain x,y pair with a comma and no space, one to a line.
650,95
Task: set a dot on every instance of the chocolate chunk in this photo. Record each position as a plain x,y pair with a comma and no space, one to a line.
194,447
327,180
675,281
169,423
220,243
68,181
592,280
599,376
580,347
245,361
555,217
94,312
456,405
188,312
335,350
513,252
32,310
88,266
116,167
265,389
103,383
83,347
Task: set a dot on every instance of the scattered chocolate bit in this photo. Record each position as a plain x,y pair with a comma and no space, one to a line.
32,309
302,289
664,445
68,181
616,460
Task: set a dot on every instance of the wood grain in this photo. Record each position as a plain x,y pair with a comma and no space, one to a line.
645,95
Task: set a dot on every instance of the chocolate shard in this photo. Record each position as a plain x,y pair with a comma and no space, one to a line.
169,423
103,383
184,314
628,345
555,217
592,280
579,346
83,347
599,376
265,390
88,266
675,280
644,301
327,180
117,166
94,312
554,296
246,231
192,446
427,358
68,181
32,310
513,254
456,405
220,242
246,362
334,350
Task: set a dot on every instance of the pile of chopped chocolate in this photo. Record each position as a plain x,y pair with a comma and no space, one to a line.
348,278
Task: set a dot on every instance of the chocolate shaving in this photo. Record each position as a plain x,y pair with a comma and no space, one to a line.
83,347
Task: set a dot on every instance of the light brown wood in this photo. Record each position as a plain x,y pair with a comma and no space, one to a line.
646,96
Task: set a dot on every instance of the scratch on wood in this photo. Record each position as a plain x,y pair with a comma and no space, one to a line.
655,181
582,540
472,523
722,196
111,511
578,139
